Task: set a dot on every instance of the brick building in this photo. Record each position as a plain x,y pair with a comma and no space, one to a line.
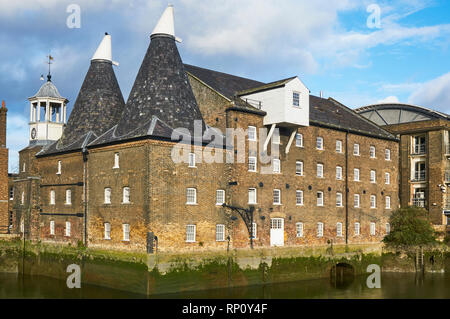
424,155
111,179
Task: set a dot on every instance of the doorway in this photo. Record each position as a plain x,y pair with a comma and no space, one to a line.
277,232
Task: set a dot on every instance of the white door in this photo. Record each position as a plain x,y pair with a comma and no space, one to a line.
277,232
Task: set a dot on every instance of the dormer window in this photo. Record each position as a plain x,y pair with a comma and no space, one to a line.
59,168
116,160
296,99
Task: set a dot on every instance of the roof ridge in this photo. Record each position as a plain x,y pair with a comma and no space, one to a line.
220,72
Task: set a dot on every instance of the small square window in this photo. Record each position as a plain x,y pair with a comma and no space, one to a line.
338,146
299,227
373,201
338,173
356,149
357,200
387,155
319,229
296,99
191,196
373,176
276,197
320,170
220,232
299,140
299,198
372,152
319,143
220,197
339,200
387,178
299,168
190,233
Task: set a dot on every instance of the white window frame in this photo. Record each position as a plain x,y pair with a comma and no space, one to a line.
107,195
250,191
373,176
52,227
255,230
339,146
116,160
388,202
373,152
297,165
299,140
299,195
191,233
58,172
220,232
373,229
67,229
220,197
319,230
387,154
320,143
387,178
11,193
126,232
322,201
52,197
319,170
356,175
299,229
252,161
126,193
107,231
192,161
22,199
339,199
294,99
252,134
191,196
276,166
339,232
339,173
24,167
373,201
357,201
277,195
356,149
68,197
357,229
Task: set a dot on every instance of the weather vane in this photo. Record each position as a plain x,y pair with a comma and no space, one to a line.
50,59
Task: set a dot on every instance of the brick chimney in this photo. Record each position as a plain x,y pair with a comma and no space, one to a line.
3,111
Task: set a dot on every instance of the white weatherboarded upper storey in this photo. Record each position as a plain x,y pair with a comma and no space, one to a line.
278,103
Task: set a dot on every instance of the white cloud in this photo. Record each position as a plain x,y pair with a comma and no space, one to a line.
16,139
389,99
434,94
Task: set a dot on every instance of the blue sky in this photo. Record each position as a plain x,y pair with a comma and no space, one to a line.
328,44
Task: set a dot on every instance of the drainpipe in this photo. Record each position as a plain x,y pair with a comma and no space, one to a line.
85,160
346,187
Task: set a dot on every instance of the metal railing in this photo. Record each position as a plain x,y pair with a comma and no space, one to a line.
418,202
419,176
419,149
254,103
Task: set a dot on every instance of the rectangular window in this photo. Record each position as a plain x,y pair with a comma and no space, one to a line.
357,227
52,197
191,196
319,143
254,230
252,133
68,197
220,197
107,195
388,202
356,149
299,198
339,200
372,152
276,197
356,174
126,232
320,170
52,227
388,228
22,199
373,201
68,229
339,146
387,178
190,233
276,166
373,176
357,200
299,227
220,232
372,229
299,140
387,154
339,229
319,198
296,99
107,231
299,168
116,160
59,168
319,229
126,195
339,173
191,160
11,193
252,164
252,196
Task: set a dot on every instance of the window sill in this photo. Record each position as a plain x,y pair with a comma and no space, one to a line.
129,203
107,238
116,167
300,205
192,166
190,242
191,204
252,203
219,204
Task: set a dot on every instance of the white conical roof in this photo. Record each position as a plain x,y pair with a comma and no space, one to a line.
104,51
166,23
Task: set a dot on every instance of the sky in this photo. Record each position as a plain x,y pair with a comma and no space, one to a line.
358,52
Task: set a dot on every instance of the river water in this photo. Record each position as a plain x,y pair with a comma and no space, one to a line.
393,285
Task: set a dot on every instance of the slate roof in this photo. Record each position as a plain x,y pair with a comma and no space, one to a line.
97,108
162,90
268,86
48,89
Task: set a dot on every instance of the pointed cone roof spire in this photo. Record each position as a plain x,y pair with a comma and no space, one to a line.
3,104
104,51
165,24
